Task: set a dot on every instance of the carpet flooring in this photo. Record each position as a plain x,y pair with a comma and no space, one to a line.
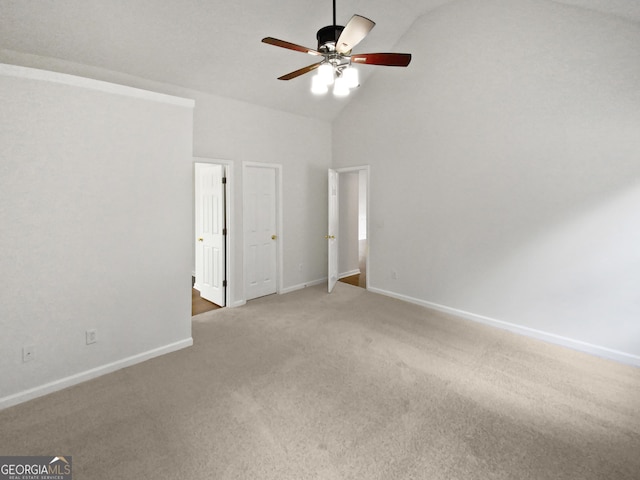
350,385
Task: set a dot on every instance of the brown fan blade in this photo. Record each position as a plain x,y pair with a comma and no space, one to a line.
290,46
388,59
302,71
353,33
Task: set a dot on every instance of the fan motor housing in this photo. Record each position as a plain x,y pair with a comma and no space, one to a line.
328,36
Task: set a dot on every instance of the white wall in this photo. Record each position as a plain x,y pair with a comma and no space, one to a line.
234,131
123,289
95,196
242,132
505,179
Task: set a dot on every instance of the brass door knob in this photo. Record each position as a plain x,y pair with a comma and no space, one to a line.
200,239
273,237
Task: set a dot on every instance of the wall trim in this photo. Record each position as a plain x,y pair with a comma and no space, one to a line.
579,345
300,286
91,84
81,377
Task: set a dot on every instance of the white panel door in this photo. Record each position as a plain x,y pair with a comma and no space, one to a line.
333,229
210,239
260,235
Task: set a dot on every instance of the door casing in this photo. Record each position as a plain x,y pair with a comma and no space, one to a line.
367,170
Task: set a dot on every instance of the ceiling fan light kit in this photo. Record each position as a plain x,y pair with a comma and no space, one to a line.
325,73
318,87
335,44
343,78
351,77
340,89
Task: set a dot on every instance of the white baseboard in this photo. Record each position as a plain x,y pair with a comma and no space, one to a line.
56,385
579,345
348,274
300,286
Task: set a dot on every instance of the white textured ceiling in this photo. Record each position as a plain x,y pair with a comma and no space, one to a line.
214,46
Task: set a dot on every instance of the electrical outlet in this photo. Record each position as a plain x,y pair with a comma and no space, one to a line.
28,352
91,336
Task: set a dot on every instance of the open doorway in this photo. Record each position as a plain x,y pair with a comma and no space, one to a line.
200,305
353,242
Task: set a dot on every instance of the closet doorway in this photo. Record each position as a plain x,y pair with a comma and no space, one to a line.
353,238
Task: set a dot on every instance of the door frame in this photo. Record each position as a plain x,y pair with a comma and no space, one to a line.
277,167
367,170
229,209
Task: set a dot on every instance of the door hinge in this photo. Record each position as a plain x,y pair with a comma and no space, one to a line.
224,179
224,283
224,231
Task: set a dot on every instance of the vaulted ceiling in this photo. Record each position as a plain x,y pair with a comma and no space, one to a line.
213,45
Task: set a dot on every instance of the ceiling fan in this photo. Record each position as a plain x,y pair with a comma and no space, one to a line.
335,44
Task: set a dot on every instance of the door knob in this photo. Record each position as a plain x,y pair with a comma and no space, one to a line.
200,239
273,237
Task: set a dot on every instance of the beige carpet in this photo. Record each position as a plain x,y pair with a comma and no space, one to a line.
344,386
